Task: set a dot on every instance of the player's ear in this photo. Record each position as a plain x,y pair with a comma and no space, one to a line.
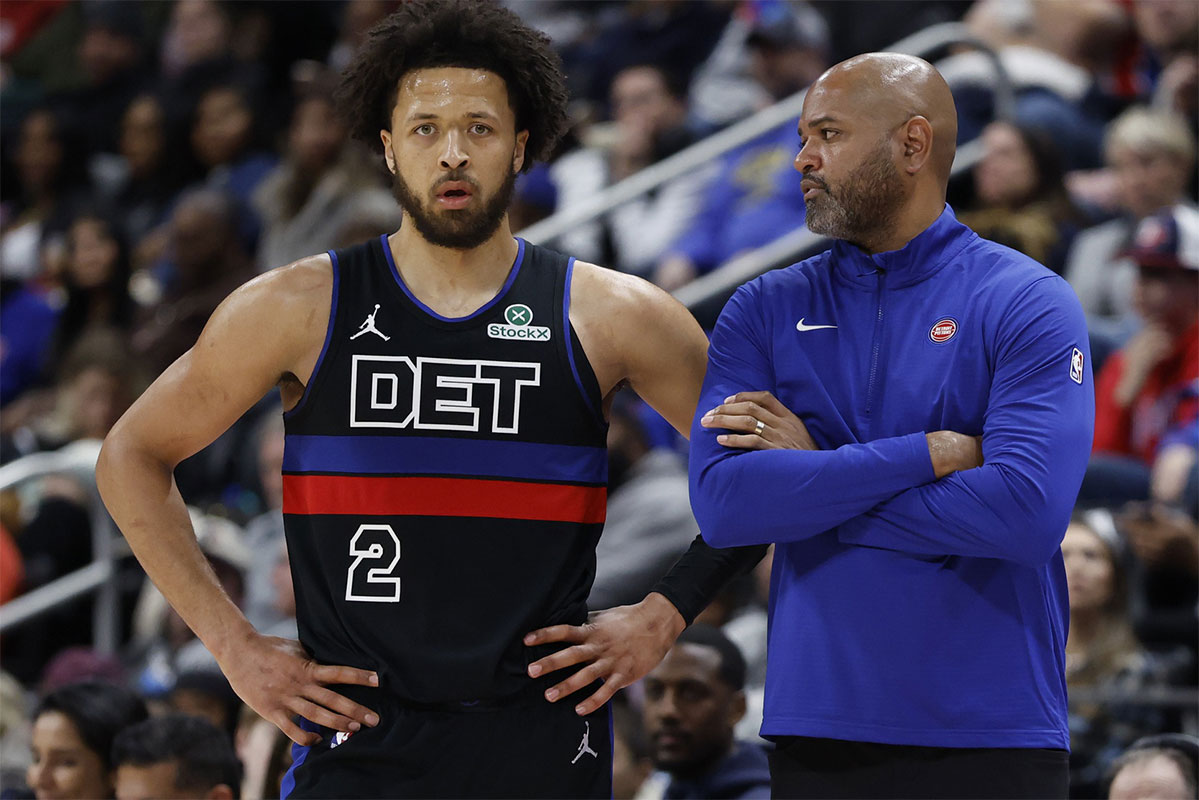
518,152
388,156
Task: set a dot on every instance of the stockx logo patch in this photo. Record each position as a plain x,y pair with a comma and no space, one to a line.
519,318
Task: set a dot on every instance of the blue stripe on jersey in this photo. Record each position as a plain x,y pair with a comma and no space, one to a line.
570,350
417,455
328,338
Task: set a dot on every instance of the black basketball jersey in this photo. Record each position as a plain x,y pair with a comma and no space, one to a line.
444,480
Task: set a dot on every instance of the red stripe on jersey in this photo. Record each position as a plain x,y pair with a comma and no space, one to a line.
442,497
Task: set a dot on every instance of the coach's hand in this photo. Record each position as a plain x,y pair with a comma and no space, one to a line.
758,421
618,645
276,678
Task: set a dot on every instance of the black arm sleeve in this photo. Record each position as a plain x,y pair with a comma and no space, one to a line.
700,573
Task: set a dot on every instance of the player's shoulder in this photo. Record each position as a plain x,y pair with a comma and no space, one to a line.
287,298
603,290
308,279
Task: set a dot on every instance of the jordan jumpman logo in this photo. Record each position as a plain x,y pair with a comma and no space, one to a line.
584,747
369,327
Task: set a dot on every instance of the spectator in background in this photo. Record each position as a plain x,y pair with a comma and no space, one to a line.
693,700
1169,29
631,762
358,17
152,173
206,694
209,261
73,732
1103,656
324,182
1022,199
49,166
1147,394
264,534
96,282
175,756
755,196
1151,155
228,141
649,112
111,55
649,522
1161,767
97,379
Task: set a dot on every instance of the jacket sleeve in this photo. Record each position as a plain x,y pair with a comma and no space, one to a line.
744,497
1036,441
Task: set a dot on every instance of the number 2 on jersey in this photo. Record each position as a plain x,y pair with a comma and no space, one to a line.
371,578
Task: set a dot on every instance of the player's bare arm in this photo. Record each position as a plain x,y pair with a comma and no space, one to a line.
631,331
267,333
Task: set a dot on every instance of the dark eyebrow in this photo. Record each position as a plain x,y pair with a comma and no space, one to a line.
818,121
427,115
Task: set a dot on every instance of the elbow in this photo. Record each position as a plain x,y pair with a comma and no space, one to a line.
716,517
1042,533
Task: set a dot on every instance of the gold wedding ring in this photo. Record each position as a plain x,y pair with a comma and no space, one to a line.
761,426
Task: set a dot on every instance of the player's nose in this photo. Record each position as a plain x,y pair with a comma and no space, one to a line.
454,155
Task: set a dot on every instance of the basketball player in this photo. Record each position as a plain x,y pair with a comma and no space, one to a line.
445,390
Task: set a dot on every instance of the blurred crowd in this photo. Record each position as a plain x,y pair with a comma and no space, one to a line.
155,155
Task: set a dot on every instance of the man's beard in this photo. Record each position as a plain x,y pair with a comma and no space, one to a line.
457,229
865,204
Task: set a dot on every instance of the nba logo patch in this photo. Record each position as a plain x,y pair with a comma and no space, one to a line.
944,330
1076,366
340,738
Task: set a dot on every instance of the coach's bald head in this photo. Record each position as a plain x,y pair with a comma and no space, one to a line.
880,132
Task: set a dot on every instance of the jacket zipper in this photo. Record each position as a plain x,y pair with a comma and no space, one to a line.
878,333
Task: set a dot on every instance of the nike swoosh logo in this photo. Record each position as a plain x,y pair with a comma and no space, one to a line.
799,326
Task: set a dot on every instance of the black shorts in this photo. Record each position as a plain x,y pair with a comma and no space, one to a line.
528,749
803,767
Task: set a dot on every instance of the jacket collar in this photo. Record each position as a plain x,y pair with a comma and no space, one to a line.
931,249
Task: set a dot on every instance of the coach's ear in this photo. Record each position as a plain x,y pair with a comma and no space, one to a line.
385,136
518,153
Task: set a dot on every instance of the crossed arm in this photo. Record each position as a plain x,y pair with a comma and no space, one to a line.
920,493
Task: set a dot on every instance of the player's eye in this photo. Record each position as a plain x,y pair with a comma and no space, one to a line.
423,130
479,129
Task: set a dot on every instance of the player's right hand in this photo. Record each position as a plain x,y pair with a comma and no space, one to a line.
276,678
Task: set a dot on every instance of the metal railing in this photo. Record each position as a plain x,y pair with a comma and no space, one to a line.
79,460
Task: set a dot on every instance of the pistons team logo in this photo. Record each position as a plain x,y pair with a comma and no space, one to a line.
944,330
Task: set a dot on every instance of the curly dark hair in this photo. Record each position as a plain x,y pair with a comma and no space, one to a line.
474,34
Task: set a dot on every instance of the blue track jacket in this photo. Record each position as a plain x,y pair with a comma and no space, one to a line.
905,609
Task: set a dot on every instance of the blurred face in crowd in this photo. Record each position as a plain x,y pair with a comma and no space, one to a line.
852,187
142,136
199,30
63,765
95,399
639,95
1147,180
782,70
316,135
690,711
1007,175
39,151
92,253
104,54
1153,778
1167,25
1166,296
1089,571
222,128
455,152
199,237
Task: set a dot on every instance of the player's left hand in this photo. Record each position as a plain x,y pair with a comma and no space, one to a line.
758,421
618,645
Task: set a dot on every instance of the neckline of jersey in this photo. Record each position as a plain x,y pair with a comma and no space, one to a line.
512,273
